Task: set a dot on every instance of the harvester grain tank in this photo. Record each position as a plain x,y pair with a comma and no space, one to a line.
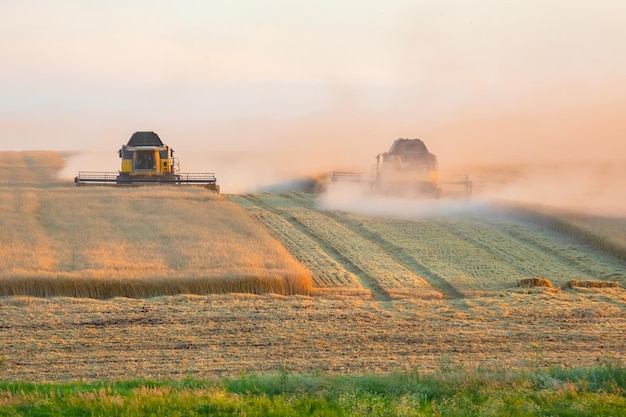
147,161
408,168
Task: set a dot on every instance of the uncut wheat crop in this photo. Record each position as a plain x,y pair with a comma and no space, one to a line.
101,242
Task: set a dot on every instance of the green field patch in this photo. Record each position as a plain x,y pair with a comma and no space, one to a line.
327,272
556,392
392,277
606,233
486,252
377,270
429,245
554,254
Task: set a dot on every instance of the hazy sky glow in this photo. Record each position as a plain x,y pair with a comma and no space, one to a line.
510,79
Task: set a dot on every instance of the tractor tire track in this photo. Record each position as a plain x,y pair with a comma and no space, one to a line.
455,255
366,280
327,273
487,239
576,258
401,256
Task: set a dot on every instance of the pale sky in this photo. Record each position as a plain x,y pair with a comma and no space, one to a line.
501,79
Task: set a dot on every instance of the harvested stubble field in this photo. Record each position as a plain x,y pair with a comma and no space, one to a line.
484,250
360,293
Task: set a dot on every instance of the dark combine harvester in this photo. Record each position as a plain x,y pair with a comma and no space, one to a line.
408,168
147,161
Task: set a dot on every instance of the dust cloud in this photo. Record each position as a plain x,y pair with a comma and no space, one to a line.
236,172
99,161
561,146
593,188
359,198
264,99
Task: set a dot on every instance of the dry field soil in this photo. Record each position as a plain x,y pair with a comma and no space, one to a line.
157,282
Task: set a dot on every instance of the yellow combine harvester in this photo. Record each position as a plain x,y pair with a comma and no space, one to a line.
147,161
408,168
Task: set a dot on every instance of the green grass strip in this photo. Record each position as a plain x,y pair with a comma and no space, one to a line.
556,392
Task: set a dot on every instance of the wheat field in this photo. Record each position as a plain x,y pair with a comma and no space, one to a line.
194,336
30,167
103,242
101,282
470,252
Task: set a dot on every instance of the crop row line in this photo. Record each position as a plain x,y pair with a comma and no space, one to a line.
402,255
346,263
379,270
576,260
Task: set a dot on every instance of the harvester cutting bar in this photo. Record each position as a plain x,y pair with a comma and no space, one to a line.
346,176
96,178
206,179
461,180
454,179
203,178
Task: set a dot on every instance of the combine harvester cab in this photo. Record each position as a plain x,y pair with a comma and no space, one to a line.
147,161
409,169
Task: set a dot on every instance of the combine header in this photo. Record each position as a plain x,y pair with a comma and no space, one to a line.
408,169
147,161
